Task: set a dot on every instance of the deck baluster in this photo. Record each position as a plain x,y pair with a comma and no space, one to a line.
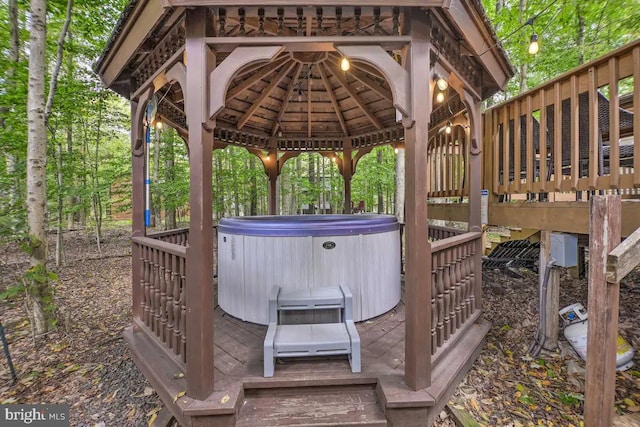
177,316
183,309
460,305
441,306
434,309
465,279
448,309
146,283
472,276
153,287
166,271
169,303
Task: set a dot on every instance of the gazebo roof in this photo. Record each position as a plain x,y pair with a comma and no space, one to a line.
302,93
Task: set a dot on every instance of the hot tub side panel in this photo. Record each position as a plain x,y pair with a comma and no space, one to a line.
231,281
269,261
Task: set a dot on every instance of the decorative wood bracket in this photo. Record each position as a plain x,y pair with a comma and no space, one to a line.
178,73
137,128
396,75
475,118
221,77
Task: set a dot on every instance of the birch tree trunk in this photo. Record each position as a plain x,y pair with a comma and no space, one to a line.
36,165
14,57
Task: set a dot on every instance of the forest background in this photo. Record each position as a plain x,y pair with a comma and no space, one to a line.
85,145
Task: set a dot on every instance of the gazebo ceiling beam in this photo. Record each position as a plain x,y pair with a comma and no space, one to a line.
339,75
265,93
332,97
250,81
285,101
310,44
284,3
367,81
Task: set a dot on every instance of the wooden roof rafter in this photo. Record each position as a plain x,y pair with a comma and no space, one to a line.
339,75
265,93
263,72
332,97
285,101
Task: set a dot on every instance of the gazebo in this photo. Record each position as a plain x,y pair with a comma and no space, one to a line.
270,77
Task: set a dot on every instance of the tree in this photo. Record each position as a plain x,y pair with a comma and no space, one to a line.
37,277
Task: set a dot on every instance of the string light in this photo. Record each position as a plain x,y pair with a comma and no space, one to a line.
534,46
441,82
440,97
344,64
395,150
447,129
159,125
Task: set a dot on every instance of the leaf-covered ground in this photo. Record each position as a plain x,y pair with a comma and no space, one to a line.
85,362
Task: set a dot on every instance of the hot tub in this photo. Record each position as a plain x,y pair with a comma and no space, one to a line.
308,251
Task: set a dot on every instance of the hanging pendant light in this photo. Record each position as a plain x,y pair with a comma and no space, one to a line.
440,97
534,46
344,64
448,128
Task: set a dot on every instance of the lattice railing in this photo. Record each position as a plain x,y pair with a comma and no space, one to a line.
455,288
162,293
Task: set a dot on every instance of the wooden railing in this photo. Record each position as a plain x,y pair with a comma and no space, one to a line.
455,289
447,165
439,233
179,236
569,134
162,291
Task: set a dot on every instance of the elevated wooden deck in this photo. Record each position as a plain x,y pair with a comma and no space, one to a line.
308,391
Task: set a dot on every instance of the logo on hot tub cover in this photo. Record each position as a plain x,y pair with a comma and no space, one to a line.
329,244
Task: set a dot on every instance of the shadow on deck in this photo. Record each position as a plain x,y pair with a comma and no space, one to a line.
307,391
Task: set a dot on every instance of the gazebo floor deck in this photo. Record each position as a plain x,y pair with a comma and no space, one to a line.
311,391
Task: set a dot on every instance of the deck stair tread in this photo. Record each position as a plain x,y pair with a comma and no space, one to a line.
310,299
312,406
323,338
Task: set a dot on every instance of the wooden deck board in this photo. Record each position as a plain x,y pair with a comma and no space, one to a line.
239,350
328,406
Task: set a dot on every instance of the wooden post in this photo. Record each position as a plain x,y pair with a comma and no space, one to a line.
137,197
418,255
605,226
199,284
347,173
474,185
550,328
272,173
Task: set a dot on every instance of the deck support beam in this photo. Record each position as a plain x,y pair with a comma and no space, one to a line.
199,292
418,258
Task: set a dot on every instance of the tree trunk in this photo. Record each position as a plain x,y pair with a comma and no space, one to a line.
14,57
253,187
40,290
312,184
170,174
155,198
523,65
60,219
580,33
400,186
96,197
379,177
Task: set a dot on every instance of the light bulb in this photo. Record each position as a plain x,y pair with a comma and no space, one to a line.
299,95
448,128
279,134
440,97
442,83
395,150
534,47
267,157
344,64
159,125
334,158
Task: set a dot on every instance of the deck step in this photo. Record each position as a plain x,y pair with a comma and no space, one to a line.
312,406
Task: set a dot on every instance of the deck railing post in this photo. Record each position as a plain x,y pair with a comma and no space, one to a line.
604,298
199,274
418,262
